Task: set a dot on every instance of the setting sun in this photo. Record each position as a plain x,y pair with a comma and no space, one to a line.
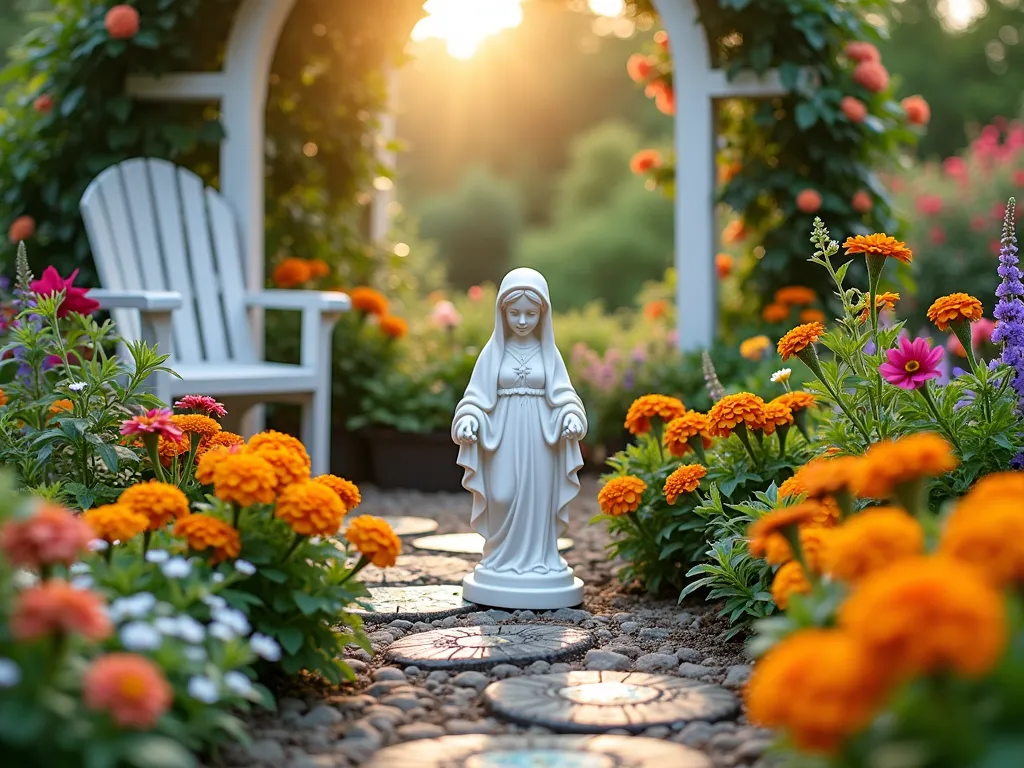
464,24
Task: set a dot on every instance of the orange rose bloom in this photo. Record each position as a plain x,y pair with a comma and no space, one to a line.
130,687
798,339
732,410
917,109
291,273
310,509
375,540
55,607
347,491
621,495
954,307
369,301
879,245
679,431
648,407
159,502
686,479
208,532
808,201
645,160
122,22
861,201
775,313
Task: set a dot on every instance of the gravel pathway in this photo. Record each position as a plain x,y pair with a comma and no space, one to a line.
344,727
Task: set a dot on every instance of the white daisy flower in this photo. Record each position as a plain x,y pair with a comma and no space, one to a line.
158,556
244,567
203,689
140,636
782,375
265,647
176,568
10,673
238,683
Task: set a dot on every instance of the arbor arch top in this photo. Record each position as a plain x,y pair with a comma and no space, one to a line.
241,88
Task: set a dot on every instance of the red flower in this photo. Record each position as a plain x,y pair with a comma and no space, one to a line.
808,201
861,202
639,67
645,160
954,166
1018,178
854,109
22,228
937,235
75,299
917,109
661,39
860,50
122,22
203,404
43,104
872,75
723,265
665,100
931,205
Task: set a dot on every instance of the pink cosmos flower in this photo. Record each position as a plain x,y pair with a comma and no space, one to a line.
156,422
52,535
203,404
911,364
445,315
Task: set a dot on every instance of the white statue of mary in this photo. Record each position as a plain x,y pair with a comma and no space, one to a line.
518,427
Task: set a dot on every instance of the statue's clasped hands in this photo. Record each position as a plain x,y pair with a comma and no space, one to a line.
466,430
572,429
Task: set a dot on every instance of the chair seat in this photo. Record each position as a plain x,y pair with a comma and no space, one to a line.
224,379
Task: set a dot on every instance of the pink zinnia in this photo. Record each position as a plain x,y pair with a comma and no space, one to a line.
912,364
55,607
52,535
130,687
445,315
156,422
203,404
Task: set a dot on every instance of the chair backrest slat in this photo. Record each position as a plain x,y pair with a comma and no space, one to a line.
154,226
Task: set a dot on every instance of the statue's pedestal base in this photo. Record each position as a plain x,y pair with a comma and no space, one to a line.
523,591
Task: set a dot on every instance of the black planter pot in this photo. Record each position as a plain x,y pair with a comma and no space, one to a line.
350,456
414,461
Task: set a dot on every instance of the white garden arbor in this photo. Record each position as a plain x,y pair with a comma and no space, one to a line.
241,89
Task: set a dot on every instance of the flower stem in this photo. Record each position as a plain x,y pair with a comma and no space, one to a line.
927,395
292,548
363,562
741,433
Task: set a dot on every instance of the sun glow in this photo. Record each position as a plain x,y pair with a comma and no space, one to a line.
464,24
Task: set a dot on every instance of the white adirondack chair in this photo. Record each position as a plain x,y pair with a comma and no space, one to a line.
171,263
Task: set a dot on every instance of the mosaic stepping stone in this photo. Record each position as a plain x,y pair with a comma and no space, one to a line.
417,569
539,751
477,647
415,603
465,543
594,702
411,526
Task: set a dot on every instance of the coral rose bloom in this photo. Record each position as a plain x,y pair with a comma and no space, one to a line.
860,50
130,687
917,109
639,67
861,202
808,201
52,535
55,607
122,22
645,160
854,109
872,75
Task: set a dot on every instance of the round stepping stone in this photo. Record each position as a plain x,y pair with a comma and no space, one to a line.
415,603
539,751
594,702
417,569
411,526
465,543
476,647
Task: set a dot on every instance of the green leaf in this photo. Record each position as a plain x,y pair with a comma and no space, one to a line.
108,456
158,752
291,639
307,603
274,575
806,115
146,39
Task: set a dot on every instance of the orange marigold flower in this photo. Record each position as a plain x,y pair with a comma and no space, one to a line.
888,464
648,407
3,398
885,301
22,228
775,313
291,272
999,486
369,301
621,495
821,478
680,430
686,479
208,532
791,488
645,160
798,339
319,268
288,465
196,424
55,607
776,414
871,540
789,580
347,491
221,440
732,410
755,348
825,512
989,536
879,245
51,536
655,310
797,400
796,295
375,540
723,265
210,458
159,502
169,449
60,406
393,327
734,232
271,439
242,478
819,685
116,522
776,522
131,688
811,316
310,509
954,307
928,614
813,540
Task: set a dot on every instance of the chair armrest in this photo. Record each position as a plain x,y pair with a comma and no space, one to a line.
144,301
321,301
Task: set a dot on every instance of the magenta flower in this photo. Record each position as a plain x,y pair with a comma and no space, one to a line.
911,364
156,422
203,404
